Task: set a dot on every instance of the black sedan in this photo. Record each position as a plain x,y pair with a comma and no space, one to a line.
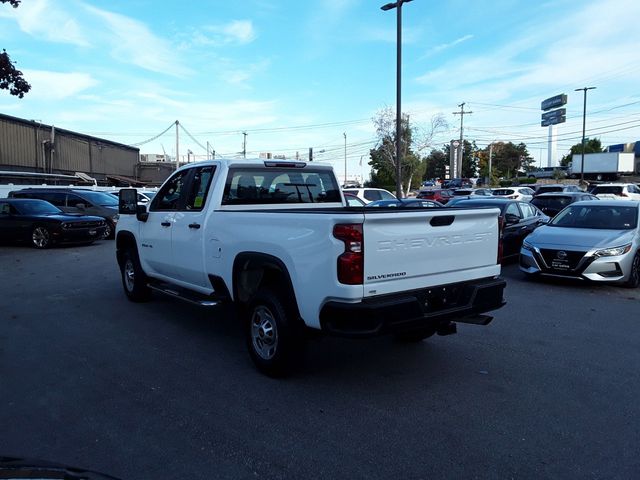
43,225
518,219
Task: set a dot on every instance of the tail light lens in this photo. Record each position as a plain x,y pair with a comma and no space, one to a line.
500,230
351,262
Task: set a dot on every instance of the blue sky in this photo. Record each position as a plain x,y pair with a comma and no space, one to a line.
300,74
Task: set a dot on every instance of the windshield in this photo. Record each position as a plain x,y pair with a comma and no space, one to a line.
607,189
600,217
101,198
37,207
548,190
557,203
503,191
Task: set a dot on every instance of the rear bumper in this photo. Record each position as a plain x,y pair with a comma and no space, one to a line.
425,308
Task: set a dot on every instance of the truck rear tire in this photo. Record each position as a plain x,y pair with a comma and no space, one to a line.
273,338
134,281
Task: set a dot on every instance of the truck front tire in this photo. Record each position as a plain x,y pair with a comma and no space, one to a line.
273,337
134,280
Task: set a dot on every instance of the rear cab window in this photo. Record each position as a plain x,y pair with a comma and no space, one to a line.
260,186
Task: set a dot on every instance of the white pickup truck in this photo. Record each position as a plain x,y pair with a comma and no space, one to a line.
277,239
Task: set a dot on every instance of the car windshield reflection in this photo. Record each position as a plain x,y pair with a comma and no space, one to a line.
600,217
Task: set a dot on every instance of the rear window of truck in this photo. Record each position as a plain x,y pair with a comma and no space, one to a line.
279,186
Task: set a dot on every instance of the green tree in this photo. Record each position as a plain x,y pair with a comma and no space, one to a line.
412,140
11,78
435,162
508,159
591,145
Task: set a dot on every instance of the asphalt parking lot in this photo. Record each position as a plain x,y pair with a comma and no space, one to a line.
165,390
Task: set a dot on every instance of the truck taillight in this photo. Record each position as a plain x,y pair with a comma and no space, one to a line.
351,262
500,229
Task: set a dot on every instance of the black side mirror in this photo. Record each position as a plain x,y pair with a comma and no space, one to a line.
81,206
128,201
511,219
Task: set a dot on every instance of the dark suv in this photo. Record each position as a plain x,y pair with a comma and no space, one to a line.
77,200
552,203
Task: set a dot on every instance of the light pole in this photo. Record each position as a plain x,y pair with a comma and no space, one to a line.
584,124
398,6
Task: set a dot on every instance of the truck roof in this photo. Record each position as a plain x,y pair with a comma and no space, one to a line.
260,162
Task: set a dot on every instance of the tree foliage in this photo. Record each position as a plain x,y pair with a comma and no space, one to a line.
11,78
591,145
507,159
412,141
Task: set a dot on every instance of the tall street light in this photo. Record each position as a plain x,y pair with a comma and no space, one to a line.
398,6
584,124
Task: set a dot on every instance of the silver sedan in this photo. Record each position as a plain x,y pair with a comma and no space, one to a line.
592,240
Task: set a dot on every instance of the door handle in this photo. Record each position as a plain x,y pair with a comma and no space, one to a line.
166,224
194,225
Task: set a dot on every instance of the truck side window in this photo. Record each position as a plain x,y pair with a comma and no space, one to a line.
172,194
199,188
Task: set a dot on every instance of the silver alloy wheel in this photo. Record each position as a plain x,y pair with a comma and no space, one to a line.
40,237
129,275
264,333
107,231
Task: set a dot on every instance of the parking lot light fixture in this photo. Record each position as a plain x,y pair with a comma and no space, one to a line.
398,5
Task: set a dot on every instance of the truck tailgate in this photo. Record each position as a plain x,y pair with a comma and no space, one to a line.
413,249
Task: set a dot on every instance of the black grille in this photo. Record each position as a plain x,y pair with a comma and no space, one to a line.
568,261
77,225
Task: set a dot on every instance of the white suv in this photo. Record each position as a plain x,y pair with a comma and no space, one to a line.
617,191
524,194
369,195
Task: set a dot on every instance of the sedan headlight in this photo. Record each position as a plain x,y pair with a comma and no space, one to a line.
527,246
613,251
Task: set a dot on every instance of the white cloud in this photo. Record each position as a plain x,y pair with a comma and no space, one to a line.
132,42
46,85
44,20
236,32
445,46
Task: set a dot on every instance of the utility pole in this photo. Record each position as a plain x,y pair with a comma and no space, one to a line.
461,146
345,158
490,157
177,146
584,124
244,145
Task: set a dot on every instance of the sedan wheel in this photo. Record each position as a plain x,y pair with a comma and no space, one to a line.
40,237
634,275
108,231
